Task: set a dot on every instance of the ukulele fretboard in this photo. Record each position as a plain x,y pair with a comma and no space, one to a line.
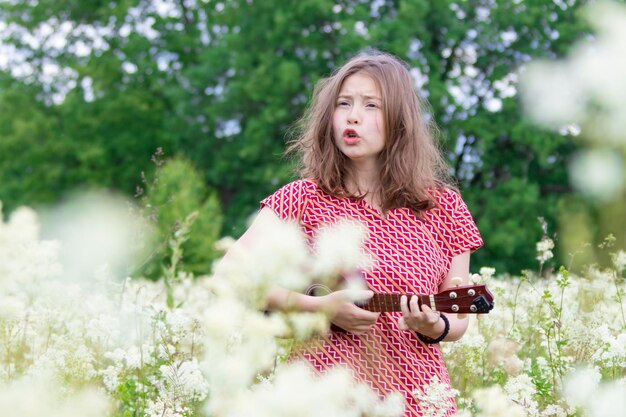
389,302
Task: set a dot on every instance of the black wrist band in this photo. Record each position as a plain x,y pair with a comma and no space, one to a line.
446,329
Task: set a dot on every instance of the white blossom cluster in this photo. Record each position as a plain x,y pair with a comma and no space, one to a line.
118,346
589,84
240,341
435,398
584,94
215,353
544,249
542,330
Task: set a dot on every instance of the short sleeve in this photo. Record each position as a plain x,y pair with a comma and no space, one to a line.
289,202
457,226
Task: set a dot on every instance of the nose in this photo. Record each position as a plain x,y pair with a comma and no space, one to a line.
353,116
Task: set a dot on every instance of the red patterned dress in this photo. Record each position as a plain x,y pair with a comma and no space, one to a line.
410,256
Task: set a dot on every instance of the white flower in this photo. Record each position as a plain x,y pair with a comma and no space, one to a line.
492,402
544,249
307,324
96,230
590,85
597,173
562,103
554,410
392,405
161,407
513,365
603,400
276,256
619,261
500,349
41,397
224,244
339,249
487,272
435,398
23,225
186,380
581,385
521,390
297,391
11,307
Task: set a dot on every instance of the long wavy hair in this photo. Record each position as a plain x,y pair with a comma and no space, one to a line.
411,162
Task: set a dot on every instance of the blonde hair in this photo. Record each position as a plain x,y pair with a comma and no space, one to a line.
411,162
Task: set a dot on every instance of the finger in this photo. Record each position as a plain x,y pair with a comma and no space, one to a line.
402,324
431,316
404,307
368,316
361,315
414,306
374,315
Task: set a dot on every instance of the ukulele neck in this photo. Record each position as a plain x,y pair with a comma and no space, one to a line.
382,302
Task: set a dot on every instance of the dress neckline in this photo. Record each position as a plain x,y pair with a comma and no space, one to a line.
366,205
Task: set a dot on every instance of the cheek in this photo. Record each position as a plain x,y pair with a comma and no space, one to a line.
380,124
334,124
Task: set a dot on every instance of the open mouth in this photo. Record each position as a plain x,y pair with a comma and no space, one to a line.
350,134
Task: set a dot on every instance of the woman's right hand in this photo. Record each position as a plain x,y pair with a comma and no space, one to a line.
347,315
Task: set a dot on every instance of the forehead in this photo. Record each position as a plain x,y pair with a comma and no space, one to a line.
360,84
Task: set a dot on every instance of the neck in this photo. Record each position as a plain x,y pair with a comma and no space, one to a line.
365,178
365,181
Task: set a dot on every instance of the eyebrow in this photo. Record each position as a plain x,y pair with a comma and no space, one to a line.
365,96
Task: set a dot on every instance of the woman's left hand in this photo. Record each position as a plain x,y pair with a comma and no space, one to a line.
426,321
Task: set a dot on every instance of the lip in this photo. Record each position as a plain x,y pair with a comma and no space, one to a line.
350,136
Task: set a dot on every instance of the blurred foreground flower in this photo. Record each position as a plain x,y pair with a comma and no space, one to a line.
583,390
598,173
204,353
97,229
37,398
493,402
589,87
583,95
587,90
241,340
297,391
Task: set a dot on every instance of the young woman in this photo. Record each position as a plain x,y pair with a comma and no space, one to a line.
368,154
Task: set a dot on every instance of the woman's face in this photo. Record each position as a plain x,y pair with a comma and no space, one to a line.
358,123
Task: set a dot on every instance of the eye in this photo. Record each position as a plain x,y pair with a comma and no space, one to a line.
372,105
343,103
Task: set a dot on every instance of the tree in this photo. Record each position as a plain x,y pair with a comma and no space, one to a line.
222,83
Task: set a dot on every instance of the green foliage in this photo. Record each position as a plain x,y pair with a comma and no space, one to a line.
188,219
542,382
221,84
31,154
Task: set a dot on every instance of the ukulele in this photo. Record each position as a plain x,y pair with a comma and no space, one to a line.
461,299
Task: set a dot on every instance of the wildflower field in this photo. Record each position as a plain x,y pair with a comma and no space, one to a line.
79,338
555,345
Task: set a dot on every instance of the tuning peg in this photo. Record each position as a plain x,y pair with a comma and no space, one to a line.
456,281
461,316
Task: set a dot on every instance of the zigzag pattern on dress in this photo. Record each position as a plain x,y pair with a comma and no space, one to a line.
409,256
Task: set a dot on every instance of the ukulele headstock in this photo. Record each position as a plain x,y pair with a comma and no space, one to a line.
465,299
